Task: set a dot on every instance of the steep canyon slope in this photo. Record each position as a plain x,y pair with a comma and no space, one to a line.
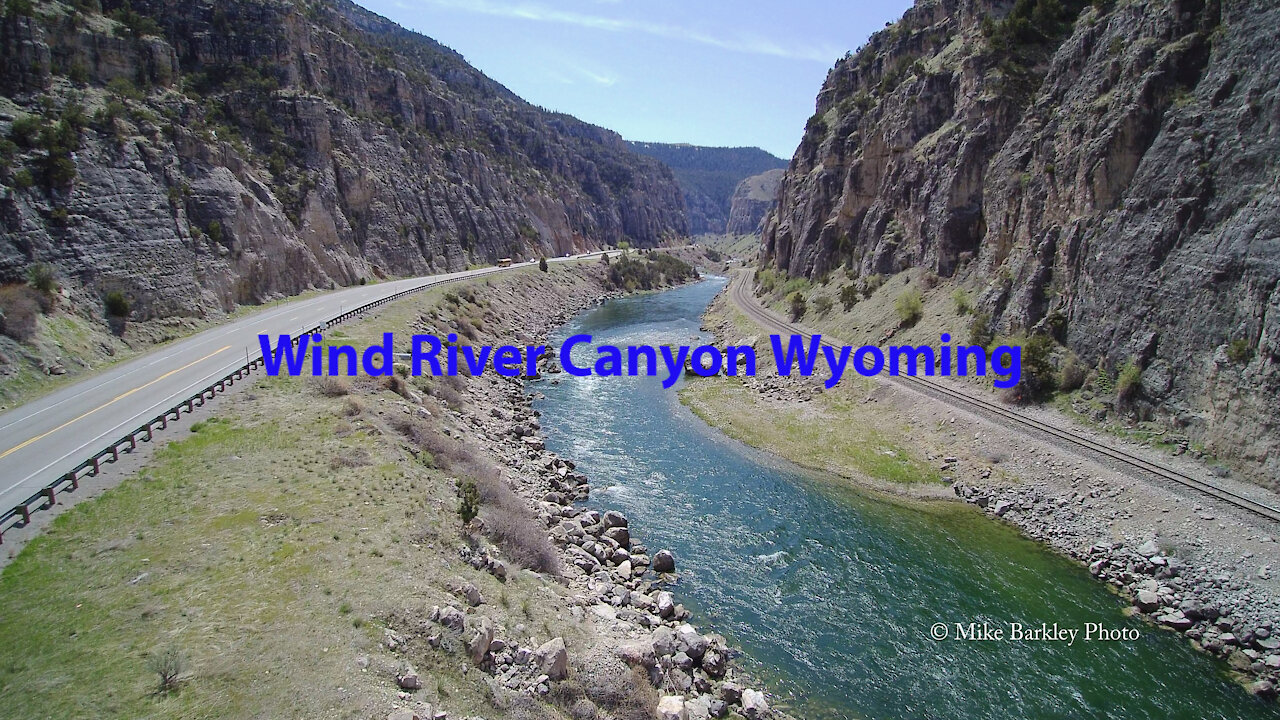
752,201
709,178
1106,171
196,155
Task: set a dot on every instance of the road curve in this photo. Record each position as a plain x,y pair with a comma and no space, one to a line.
1071,441
45,438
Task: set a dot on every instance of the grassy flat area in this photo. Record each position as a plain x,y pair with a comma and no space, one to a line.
216,549
834,431
271,548
828,437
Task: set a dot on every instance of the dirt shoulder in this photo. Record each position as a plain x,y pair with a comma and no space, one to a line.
301,551
1190,563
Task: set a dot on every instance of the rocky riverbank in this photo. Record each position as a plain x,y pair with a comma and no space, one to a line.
613,583
1186,562
1218,612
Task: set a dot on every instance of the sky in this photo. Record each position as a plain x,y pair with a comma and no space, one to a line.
706,72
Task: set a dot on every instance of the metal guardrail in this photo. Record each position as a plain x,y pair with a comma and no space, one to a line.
20,515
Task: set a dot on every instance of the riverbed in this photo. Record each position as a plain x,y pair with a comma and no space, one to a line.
836,595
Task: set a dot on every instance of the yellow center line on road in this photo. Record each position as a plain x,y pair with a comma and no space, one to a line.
121,396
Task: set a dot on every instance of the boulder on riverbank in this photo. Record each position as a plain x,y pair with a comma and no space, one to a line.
664,562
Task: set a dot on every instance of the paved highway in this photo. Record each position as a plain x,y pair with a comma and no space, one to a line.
46,438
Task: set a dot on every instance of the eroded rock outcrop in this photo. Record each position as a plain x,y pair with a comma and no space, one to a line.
223,153
1109,174
752,201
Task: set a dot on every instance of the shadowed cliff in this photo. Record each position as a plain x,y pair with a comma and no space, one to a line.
196,155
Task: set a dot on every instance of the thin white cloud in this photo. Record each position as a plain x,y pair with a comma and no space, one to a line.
569,73
750,44
605,79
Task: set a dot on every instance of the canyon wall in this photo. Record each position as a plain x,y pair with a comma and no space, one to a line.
197,155
1108,170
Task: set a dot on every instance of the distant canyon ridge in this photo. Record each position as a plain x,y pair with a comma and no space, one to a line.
726,190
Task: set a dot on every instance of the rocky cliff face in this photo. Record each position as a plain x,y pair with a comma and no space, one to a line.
1107,169
752,201
709,177
195,155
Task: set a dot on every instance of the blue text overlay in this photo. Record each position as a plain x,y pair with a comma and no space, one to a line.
430,355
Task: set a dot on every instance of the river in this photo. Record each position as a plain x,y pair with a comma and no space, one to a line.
831,593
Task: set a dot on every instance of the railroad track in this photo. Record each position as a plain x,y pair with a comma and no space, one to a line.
742,297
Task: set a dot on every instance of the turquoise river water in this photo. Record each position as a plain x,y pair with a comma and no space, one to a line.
831,593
